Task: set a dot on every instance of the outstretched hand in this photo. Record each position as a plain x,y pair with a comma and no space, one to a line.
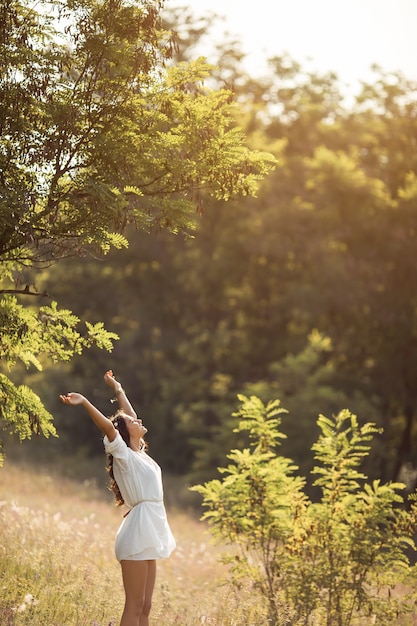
72,398
110,380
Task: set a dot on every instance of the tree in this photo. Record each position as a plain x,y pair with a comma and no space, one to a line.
109,132
343,203
100,130
326,562
328,244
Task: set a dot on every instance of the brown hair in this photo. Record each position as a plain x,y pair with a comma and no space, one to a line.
119,423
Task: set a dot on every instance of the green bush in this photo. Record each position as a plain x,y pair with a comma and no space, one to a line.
334,562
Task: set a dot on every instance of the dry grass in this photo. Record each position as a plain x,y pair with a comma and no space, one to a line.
57,566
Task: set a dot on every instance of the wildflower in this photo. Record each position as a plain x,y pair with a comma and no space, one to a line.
28,601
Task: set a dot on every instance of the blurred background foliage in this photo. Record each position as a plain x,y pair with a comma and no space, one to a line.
307,293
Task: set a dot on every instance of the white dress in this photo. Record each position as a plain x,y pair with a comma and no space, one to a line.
144,533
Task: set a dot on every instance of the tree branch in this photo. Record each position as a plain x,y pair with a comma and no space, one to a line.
26,292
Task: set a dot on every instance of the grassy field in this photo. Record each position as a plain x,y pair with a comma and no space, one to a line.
57,566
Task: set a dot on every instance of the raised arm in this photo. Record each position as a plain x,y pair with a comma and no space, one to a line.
100,420
120,394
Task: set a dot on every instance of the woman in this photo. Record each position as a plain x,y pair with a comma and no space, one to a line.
144,534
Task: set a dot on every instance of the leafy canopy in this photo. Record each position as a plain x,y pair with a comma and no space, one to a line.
99,130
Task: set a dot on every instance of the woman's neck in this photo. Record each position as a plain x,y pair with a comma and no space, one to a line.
136,445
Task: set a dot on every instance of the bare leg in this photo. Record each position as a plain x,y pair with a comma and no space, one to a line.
150,584
138,591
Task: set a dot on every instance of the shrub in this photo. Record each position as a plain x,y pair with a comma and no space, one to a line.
330,562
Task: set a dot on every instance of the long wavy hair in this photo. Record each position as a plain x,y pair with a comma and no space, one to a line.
119,423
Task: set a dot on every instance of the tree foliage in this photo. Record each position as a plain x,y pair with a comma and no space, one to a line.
30,336
326,561
99,130
306,293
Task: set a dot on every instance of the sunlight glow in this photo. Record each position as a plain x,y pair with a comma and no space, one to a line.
346,37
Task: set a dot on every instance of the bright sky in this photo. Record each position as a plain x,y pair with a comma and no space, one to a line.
344,36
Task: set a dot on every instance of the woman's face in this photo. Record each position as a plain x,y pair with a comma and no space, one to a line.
135,427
